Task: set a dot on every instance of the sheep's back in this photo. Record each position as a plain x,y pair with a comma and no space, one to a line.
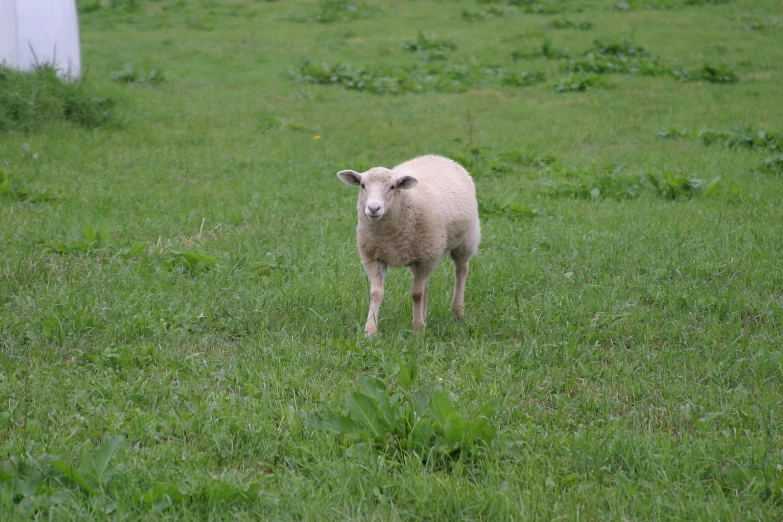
445,188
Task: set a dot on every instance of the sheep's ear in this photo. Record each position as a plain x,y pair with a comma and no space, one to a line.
350,177
406,182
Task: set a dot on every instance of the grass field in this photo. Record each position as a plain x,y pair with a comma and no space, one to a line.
182,303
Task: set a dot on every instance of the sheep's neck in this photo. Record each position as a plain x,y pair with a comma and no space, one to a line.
393,239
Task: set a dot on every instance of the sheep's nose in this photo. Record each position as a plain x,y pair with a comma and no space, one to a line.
373,210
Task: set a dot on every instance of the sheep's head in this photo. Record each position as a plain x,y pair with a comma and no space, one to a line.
379,188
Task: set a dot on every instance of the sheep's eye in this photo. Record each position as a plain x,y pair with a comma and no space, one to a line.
391,188
362,185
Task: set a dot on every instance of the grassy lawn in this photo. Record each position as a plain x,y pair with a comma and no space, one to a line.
182,303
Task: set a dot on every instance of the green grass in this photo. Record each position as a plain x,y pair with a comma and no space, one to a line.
181,298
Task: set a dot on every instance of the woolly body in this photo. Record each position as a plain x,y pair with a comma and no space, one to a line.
410,216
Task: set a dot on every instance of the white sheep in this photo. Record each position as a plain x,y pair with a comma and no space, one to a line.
410,216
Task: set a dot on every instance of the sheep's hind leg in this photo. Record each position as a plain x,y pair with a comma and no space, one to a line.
421,274
426,298
376,273
458,301
460,274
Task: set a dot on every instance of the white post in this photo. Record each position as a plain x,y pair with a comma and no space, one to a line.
47,32
9,40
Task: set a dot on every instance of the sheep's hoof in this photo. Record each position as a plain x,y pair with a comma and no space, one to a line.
370,330
417,328
458,312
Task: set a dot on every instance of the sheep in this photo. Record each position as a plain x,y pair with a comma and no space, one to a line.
410,216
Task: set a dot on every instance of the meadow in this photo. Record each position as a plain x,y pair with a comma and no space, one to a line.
182,303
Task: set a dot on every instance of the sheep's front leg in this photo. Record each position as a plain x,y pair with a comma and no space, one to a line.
421,274
376,273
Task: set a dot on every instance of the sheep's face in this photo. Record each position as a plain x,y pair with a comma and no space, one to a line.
378,189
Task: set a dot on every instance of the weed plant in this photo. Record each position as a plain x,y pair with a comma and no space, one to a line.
405,421
439,72
762,26
477,15
734,138
616,64
708,73
773,165
580,82
130,74
565,23
427,42
544,7
18,193
623,47
625,57
545,51
739,137
29,100
609,184
632,5
448,75
521,79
